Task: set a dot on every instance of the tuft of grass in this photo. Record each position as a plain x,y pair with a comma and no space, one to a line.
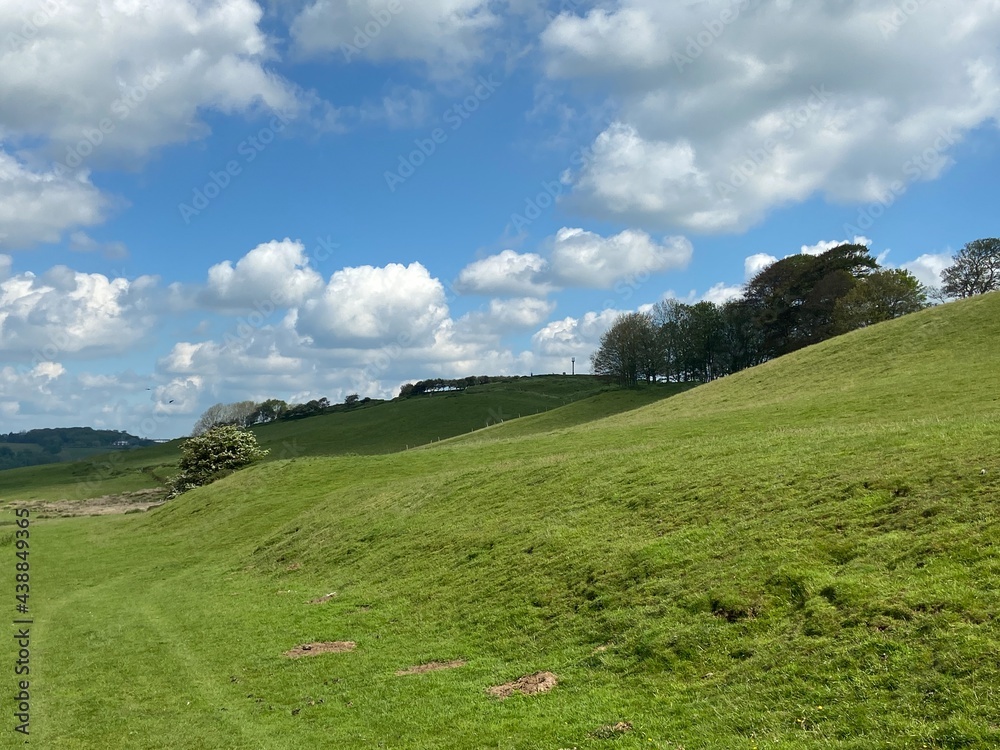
804,555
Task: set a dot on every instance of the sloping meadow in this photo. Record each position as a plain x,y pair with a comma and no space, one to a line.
801,555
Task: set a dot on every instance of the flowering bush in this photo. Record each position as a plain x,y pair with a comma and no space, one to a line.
214,454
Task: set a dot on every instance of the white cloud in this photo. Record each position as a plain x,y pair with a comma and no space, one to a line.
26,390
577,258
756,263
39,206
273,273
823,245
5,265
585,259
81,242
147,69
717,128
526,312
366,305
68,312
571,336
179,396
447,35
721,293
91,84
506,315
508,272
929,267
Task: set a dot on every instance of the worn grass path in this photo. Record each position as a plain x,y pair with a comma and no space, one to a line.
805,555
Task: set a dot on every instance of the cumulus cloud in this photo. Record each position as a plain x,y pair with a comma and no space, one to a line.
447,35
823,245
571,336
18,383
728,110
721,293
73,313
508,272
366,304
756,263
275,273
145,69
38,206
89,85
577,258
929,267
506,315
585,259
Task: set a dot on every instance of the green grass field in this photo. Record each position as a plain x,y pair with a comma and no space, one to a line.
380,428
803,555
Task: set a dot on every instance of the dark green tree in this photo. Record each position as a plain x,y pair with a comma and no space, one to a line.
976,269
880,296
624,349
794,299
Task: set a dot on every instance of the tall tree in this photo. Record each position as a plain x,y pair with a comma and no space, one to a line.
880,296
976,269
667,317
742,340
794,299
701,336
624,350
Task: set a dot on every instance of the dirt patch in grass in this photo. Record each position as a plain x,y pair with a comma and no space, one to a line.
539,682
323,599
431,666
106,505
325,647
611,731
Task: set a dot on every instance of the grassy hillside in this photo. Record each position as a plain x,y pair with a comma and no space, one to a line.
804,555
380,428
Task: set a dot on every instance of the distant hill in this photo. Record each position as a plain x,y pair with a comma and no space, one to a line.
53,445
372,428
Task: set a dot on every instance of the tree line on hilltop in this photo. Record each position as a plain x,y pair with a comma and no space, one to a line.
792,303
434,385
251,413
42,446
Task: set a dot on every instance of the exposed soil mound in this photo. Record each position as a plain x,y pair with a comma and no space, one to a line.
431,666
539,682
315,649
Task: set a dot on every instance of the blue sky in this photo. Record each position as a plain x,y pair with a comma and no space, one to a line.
217,200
